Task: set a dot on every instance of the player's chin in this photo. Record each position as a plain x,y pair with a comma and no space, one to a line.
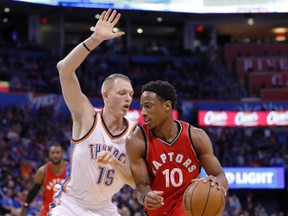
125,111
56,161
149,125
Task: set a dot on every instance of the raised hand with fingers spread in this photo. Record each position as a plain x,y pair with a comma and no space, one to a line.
104,27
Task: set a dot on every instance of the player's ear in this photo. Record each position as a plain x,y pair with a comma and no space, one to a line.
167,105
105,95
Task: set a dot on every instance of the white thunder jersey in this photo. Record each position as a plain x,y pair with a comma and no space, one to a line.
90,183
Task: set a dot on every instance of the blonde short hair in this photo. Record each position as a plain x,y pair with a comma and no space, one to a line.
107,85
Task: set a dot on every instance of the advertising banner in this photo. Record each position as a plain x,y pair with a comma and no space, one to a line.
242,119
253,177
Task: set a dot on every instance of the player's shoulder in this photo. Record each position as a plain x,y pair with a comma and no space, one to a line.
136,141
197,134
131,124
137,133
42,170
191,127
200,138
196,130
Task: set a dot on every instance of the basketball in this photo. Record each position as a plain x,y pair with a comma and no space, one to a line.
202,199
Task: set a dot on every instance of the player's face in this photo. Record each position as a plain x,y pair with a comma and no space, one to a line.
120,97
55,154
153,109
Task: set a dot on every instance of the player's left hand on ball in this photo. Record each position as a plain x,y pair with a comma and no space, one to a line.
213,180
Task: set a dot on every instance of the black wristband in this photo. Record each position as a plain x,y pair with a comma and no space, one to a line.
33,193
86,47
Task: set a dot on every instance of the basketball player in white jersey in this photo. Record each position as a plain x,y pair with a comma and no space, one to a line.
98,163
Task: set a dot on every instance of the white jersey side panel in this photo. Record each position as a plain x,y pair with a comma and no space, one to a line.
89,182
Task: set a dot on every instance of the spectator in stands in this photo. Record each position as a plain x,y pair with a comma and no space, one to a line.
277,159
260,210
6,200
234,204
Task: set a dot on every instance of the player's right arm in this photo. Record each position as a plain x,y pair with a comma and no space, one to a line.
37,184
78,104
208,159
135,146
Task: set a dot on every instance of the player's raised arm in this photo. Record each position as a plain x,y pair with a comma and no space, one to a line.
72,93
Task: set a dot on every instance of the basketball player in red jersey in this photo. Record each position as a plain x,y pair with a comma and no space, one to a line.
166,155
48,175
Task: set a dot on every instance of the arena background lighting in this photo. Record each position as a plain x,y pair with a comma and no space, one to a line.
186,6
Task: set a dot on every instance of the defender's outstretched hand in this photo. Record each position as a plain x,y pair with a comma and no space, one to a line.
104,26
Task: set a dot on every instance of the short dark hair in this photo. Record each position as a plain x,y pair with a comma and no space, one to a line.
163,89
55,144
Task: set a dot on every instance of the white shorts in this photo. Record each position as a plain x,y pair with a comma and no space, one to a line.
68,208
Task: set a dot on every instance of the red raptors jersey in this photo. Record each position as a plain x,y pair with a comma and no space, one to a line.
50,180
171,167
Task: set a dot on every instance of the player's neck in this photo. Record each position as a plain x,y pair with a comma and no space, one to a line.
57,168
115,124
167,131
